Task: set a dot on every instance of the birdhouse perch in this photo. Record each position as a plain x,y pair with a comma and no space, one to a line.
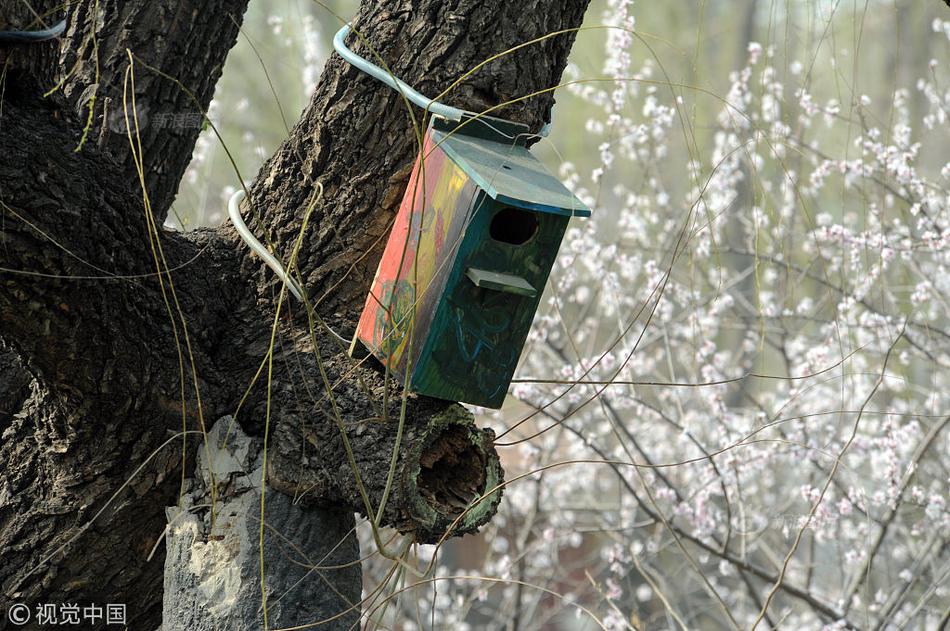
474,240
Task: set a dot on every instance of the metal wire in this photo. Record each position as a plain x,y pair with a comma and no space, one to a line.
439,109
234,212
26,37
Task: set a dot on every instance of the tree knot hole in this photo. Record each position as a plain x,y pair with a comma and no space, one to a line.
452,472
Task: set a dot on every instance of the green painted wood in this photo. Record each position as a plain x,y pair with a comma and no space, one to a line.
501,282
505,169
476,335
487,128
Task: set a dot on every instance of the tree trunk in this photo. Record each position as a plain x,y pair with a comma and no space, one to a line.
122,359
308,552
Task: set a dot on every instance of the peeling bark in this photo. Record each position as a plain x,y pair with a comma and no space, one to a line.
212,571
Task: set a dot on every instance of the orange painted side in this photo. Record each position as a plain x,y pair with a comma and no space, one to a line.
424,238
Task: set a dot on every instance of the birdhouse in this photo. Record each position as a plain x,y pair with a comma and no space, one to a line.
468,257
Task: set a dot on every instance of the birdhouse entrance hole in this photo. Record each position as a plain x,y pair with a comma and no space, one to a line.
513,225
477,233
452,472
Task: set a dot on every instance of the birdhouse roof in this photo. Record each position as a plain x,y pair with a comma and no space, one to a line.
493,153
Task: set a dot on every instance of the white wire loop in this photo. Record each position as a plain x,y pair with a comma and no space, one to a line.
234,212
439,109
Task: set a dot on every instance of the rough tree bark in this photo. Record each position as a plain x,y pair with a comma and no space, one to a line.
90,364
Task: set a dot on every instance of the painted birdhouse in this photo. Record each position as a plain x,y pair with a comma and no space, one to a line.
466,262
